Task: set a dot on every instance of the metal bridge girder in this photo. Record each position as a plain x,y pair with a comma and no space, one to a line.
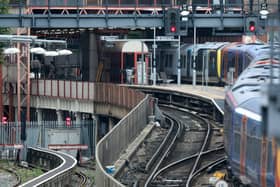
81,21
116,21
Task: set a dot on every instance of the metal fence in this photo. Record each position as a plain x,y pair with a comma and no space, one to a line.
32,134
117,140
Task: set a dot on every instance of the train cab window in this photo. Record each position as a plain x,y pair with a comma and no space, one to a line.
247,60
231,60
240,62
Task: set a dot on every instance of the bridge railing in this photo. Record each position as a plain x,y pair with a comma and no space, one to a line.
97,92
117,140
60,166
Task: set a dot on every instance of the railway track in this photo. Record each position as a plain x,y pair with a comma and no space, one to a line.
18,179
176,171
187,150
174,133
83,178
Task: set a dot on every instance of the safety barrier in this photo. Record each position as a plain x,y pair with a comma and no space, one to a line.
60,167
117,140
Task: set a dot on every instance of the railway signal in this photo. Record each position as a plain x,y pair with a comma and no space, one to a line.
68,121
251,25
4,120
172,22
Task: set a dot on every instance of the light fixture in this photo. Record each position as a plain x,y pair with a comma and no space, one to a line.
65,52
185,13
264,12
51,53
11,50
38,50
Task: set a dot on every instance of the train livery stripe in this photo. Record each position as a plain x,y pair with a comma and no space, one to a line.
219,63
277,168
264,160
274,153
243,144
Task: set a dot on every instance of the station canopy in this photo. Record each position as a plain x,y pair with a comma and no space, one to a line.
134,47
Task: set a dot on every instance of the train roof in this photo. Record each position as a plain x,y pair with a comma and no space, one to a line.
207,45
247,89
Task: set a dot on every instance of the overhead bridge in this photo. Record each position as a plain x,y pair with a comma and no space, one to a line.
118,14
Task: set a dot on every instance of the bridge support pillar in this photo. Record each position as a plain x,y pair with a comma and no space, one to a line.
16,114
39,115
111,123
42,127
78,117
96,122
59,116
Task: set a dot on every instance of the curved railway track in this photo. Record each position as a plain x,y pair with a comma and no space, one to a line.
174,133
83,178
185,169
18,181
177,170
189,148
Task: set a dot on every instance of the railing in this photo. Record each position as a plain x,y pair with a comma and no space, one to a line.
60,166
117,140
98,92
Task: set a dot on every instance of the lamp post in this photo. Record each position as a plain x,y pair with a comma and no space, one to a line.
184,12
27,39
194,56
179,62
154,58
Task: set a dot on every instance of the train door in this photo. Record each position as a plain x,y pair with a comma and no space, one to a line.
189,63
199,63
212,65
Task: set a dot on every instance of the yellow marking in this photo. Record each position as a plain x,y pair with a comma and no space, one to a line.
277,174
219,175
219,63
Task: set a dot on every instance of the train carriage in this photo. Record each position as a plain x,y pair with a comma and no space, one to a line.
251,154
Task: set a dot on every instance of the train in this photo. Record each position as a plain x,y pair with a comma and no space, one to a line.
251,153
213,60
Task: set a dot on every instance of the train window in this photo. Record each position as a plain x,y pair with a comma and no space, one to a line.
231,60
236,141
199,60
270,167
240,62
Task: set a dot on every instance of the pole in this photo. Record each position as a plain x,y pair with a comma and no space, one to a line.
154,58
194,53
179,62
142,63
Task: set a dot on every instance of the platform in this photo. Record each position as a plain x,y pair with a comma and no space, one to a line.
216,94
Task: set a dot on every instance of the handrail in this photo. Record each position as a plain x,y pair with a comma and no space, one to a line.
67,163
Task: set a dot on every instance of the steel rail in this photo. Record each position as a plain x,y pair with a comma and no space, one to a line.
177,134
173,164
